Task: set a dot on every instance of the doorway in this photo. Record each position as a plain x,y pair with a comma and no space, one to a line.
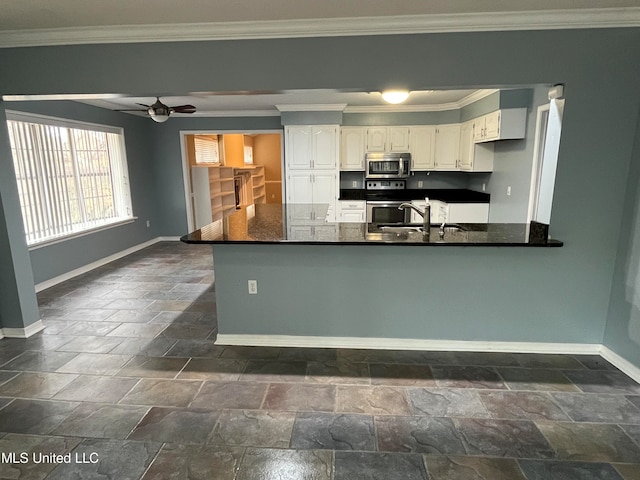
226,170
545,160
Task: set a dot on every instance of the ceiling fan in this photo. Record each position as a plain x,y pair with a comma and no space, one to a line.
159,112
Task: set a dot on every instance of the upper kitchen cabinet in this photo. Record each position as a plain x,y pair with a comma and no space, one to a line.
506,124
423,143
352,148
311,147
387,139
474,157
447,147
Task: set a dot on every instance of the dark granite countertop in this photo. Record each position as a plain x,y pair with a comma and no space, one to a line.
453,195
304,224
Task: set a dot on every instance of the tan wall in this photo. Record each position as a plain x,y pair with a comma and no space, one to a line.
267,151
233,149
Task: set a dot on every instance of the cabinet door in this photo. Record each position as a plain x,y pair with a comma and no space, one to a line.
398,139
478,129
447,147
324,147
466,146
352,148
324,188
422,148
298,147
352,216
299,187
376,139
468,212
492,125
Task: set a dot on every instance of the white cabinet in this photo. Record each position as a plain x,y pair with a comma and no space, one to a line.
447,147
466,146
352,211
387,139
439,211
507,124
352,148
312,187
311,163
474,157
311,147
468,213
423,144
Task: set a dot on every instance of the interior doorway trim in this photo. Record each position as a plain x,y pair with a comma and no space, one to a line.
186,170
538,152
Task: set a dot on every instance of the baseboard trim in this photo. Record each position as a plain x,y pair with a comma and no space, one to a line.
99,263
623,364
407,344
25,332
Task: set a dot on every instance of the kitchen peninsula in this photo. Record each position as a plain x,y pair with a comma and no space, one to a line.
386,295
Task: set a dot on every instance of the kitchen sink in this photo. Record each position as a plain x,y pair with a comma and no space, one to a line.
401,229
451,228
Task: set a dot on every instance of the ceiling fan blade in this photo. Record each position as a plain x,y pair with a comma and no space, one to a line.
183,109
143,105
131,110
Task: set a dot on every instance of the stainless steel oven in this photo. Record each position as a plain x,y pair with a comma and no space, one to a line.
388,165
387,212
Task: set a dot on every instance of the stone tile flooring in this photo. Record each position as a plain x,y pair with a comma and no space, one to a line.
127,374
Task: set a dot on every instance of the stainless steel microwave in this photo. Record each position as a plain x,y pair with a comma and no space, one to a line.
388,165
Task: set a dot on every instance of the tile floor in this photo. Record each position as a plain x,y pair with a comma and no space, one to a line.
127,373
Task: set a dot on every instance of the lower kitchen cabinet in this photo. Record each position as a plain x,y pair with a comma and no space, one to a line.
452,212
354,211
320,233
468,213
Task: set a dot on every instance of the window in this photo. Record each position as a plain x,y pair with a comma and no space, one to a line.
206,149
72,177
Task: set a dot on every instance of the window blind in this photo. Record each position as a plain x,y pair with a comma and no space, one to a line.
69,179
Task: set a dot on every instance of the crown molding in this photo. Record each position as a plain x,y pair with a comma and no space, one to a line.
328,27
329,107
230,113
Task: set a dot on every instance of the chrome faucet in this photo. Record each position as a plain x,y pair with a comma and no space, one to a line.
425,214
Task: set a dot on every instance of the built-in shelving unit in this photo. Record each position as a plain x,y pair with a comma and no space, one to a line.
221,190
259,185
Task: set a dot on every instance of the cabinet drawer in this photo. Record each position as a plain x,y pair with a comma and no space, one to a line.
352,205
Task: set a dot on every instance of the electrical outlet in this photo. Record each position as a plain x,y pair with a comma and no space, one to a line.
253,287
420,183
148,223
354,184
509,191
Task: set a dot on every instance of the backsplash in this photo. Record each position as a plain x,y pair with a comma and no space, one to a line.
430,180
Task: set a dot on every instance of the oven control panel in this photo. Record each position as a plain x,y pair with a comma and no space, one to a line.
385,185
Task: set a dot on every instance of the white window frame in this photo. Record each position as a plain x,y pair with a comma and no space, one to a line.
121,192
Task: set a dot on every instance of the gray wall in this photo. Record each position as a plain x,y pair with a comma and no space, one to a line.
167,155
59,258
566,290
402,292
18,305
622,333
513,160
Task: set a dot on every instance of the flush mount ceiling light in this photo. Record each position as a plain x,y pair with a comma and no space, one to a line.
395,96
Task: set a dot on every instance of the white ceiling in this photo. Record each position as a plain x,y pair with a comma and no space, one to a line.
270,103
44,14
